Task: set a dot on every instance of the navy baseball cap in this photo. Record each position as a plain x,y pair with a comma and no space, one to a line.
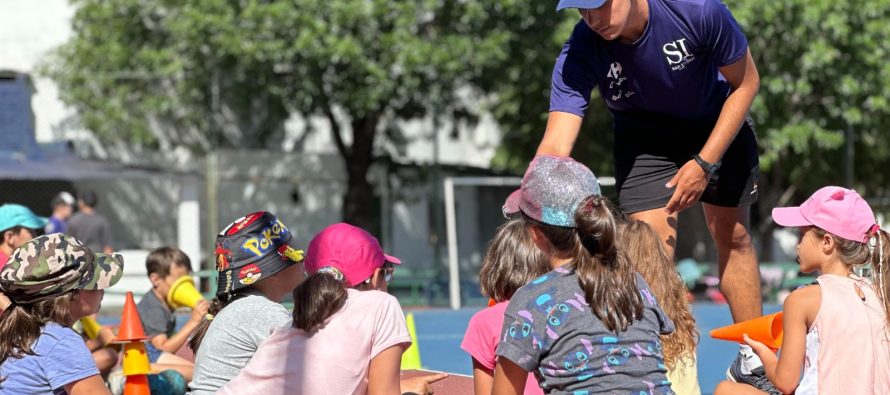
583,4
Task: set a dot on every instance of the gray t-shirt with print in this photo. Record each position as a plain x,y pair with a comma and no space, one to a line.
233,338
550,330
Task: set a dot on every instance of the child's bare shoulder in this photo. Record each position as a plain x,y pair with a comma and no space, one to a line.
804,300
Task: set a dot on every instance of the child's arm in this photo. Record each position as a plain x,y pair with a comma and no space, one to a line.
509,378
87,386
383,373
175,342
799,312
482,378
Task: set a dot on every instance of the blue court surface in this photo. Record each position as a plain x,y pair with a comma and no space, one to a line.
439,333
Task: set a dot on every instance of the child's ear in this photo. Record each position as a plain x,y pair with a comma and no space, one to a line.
154,278
828,244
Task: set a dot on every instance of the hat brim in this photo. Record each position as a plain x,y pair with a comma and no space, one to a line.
35,222
581,4
390,258
789,217
511,205
109,268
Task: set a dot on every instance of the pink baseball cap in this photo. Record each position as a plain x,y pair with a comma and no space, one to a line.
348,248
837,210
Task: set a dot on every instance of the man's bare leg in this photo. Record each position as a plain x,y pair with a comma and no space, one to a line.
664,224
736,259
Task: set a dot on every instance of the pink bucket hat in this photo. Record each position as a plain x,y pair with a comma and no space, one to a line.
352,250
837,210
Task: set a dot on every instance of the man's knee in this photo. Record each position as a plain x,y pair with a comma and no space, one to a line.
733,236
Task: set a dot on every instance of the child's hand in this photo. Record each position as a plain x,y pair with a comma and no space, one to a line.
420,385
199,311
759,348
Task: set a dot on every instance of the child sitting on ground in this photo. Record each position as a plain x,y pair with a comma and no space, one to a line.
646,253
835,332
51,281
511,261
252,283
347,335
591,325
164,266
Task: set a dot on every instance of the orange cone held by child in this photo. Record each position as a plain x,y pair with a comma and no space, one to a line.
183,293
766,329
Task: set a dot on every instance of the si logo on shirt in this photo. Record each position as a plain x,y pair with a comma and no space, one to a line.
677,54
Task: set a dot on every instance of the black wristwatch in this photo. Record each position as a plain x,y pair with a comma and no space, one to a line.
710,168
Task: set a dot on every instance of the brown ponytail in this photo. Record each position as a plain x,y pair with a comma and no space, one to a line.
604,272
217,304
881,267
317,298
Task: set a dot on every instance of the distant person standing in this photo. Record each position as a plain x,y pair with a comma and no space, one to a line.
63,207
89,226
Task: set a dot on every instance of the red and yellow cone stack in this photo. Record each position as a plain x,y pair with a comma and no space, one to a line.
135,365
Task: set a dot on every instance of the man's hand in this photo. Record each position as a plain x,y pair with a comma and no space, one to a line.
200,311
420,385
690,181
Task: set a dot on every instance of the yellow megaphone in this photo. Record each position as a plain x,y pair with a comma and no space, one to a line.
90,327
183,293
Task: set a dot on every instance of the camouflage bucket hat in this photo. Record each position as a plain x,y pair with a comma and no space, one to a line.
54,264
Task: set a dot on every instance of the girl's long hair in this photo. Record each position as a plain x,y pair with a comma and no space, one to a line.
216,305
511,261
881,274
604,271
854,253
21,324
317,298
648,257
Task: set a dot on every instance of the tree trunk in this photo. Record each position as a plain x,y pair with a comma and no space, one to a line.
358,202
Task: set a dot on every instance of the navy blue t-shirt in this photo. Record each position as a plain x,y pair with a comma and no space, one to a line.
669,74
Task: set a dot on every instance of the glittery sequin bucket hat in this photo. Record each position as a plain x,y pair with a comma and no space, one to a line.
552,189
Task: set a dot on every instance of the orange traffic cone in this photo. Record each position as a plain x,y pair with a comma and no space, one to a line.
131,325
766,329
135,363
137,385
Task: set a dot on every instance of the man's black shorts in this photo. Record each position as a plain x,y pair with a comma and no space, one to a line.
646,160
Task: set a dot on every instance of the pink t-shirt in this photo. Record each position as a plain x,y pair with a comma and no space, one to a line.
482,337
3,259
334,360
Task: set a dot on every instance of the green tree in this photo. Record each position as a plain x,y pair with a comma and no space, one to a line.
227,73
